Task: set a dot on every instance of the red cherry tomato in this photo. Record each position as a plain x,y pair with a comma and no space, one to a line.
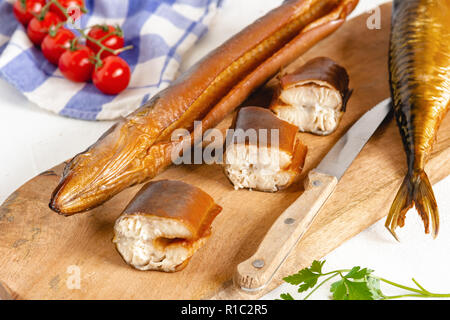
73,7
113,76
24,10
38,29
114,41
54,45
76,65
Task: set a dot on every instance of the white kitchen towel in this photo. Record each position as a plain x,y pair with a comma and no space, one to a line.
160,31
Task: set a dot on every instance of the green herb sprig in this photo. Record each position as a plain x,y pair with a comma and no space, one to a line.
353,284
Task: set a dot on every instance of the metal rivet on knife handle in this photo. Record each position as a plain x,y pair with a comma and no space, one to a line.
258,263
289,221
317,183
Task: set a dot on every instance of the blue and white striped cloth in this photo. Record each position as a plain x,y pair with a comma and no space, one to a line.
161,31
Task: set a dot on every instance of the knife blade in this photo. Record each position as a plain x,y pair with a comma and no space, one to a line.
341,156
255,273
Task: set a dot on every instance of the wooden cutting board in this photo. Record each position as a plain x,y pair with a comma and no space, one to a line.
41,252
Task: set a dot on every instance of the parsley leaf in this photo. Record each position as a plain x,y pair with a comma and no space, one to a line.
374,287
286,296
359,289
339,290
358,273
351,290
317,266
357,284
306,278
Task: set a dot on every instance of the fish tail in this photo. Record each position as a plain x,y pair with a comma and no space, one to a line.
415,191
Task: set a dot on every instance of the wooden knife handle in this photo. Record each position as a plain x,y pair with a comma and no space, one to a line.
255,273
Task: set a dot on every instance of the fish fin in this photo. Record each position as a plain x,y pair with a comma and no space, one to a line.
415,191
401,205
426,204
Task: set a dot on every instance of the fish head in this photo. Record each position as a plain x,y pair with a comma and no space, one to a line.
115,161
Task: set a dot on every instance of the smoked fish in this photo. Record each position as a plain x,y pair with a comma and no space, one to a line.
419,64
140,146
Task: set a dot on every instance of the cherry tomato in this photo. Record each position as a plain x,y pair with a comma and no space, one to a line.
76,65
38,29
24,10
114,41
74,9
54,45
113,76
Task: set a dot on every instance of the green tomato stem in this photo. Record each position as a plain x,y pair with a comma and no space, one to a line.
101,45
107,35
84,35
44,10
60,7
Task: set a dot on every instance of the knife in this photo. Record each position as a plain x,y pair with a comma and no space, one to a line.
255,274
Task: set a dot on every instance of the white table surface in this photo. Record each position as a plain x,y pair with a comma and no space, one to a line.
33,140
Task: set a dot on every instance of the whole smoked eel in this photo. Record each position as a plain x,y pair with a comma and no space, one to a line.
139,147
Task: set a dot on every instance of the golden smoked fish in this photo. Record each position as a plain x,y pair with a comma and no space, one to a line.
419,65
138,147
